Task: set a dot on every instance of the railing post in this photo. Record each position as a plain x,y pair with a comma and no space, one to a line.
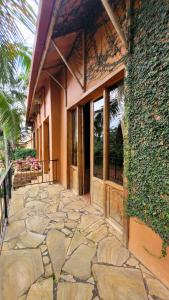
42,170
5,200
10,183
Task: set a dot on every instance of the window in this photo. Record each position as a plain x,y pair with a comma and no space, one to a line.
98,138
116,113
74,138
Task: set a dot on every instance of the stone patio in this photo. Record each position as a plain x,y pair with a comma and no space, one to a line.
56,246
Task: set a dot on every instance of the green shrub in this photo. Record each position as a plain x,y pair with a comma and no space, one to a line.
22,153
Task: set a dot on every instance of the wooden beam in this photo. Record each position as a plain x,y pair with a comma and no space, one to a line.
65,80
67,65
53,66
84,58
114,21
46,47
129,5
79,150
54,79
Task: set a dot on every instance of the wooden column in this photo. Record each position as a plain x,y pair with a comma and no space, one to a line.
69,146
79,151
40,142
106,134
37,143
46,145
91,147
105,145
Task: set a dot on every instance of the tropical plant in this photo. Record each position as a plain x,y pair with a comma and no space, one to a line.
22,153
15,61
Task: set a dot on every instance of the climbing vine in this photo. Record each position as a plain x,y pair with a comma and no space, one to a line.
147,106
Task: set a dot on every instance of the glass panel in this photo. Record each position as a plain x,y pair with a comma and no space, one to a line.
74,138
98,138
116,113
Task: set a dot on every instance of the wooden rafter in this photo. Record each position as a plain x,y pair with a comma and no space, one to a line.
67,64
114,21
54,79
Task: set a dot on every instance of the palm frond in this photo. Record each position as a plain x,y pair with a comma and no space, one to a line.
9,117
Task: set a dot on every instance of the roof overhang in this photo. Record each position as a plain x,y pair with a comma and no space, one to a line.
60,21
45,13
68,18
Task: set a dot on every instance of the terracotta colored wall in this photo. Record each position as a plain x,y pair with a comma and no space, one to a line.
146,245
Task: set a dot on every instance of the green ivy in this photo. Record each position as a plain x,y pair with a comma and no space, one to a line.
147,117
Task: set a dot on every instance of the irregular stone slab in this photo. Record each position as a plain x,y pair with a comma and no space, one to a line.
20,215
33,192
22,297
92,210
33,203
87,221
70,224
17,204
116,232
51,208
98,234
145,271
132,262
76,205
43,248
14,229
118,283
94,226
39,210
111,251
48,271
74,291
66,201
18,270
30,240
54,189
57,216
68,278
66,231
76,241
41,290
79,264
37,223
9,245
156,289
43,194
56,225
57,247
73,215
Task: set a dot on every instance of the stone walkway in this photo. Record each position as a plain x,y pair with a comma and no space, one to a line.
58,247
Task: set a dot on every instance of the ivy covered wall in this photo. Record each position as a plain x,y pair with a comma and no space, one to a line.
147,106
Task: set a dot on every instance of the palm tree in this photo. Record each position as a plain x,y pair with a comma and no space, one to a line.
14,66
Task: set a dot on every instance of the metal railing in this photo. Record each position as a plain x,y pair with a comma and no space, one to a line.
116,169
5,195
34,172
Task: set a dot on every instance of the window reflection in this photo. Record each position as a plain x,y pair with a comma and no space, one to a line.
74,138
116,112
98,138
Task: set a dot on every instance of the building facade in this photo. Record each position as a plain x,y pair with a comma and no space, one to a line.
85,91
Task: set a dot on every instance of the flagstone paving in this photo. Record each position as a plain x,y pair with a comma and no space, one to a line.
57,246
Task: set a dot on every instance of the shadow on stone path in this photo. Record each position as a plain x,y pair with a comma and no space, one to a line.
58,247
